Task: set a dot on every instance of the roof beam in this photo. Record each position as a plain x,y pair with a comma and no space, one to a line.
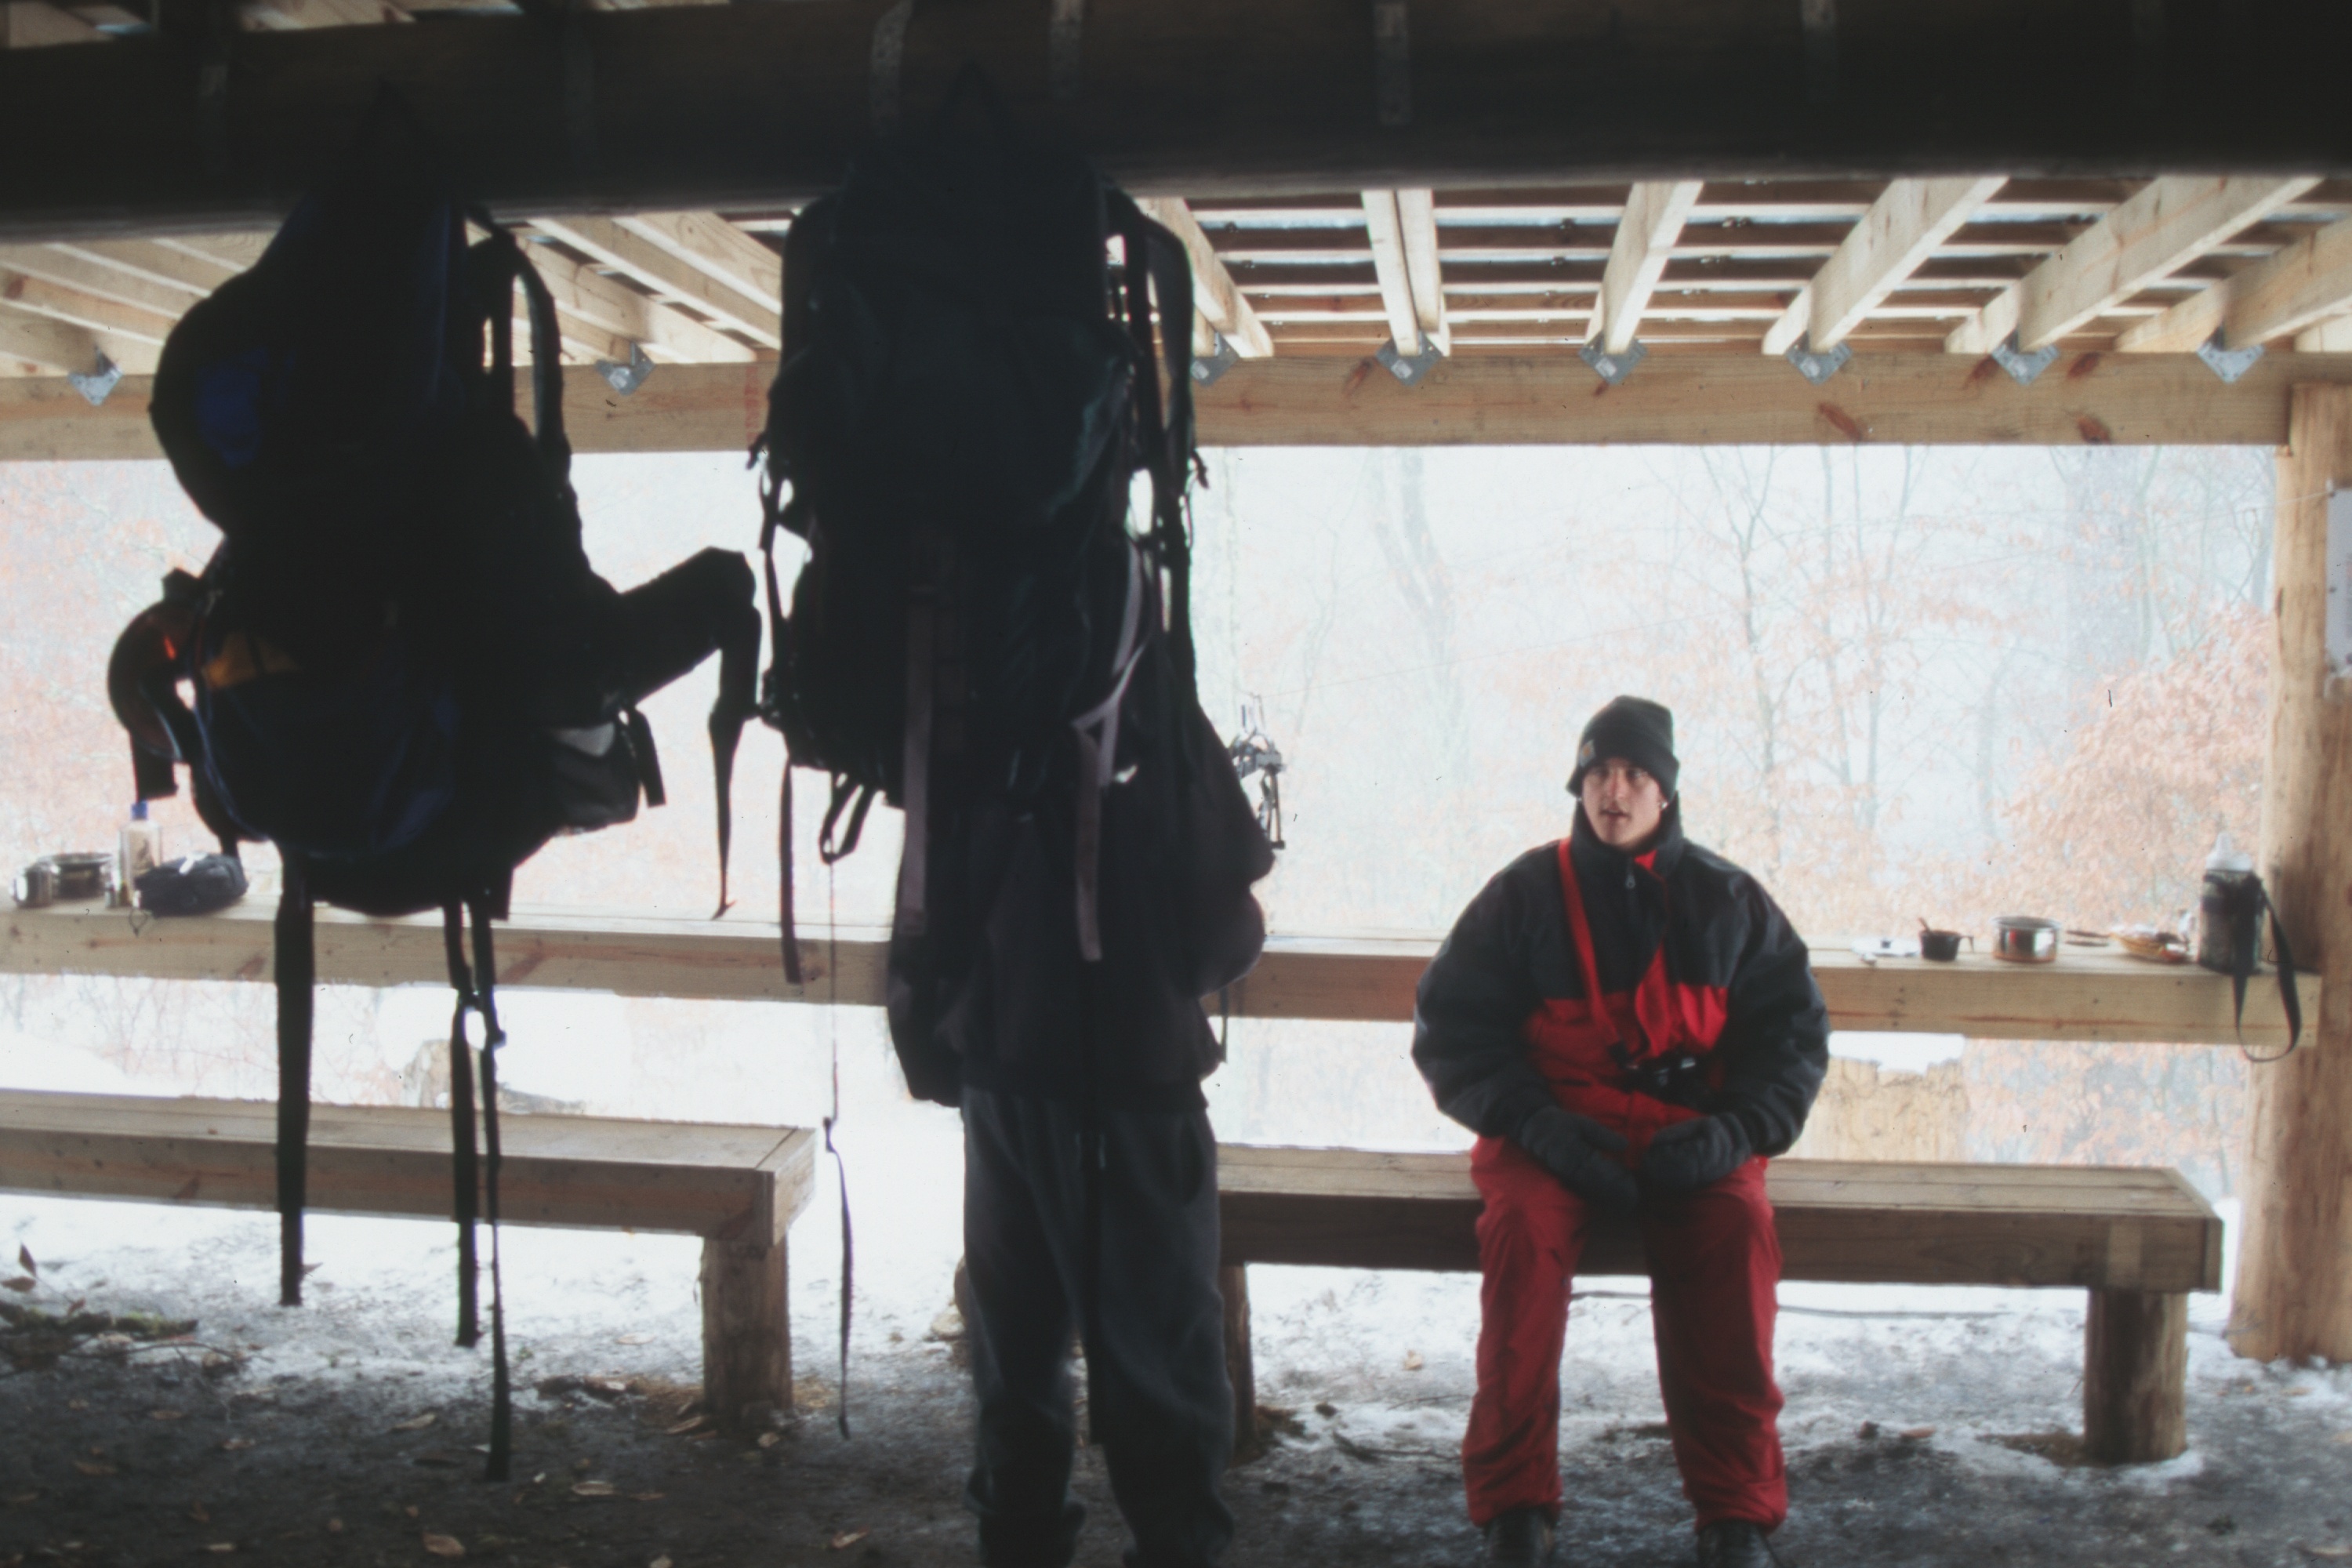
62,266
1417,219
290,15
39,297
36,23
758,106
2302,286
1217,300
2169,223
607,243
717,250
1386,228
155,263
1655,212
1889,243
590,298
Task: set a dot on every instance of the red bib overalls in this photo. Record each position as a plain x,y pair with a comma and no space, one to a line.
1715,1264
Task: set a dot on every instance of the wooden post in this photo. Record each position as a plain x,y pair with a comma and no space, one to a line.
747,1335
1233,1284
2294,1273
2135,1377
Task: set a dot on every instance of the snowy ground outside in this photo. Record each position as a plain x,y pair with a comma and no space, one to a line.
1918,1427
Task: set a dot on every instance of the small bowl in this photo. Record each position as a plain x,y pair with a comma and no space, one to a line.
2025,939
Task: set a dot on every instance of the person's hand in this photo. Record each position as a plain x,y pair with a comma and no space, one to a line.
1695,1153
1579,1152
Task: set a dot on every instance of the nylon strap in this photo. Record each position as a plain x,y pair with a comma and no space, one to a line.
464,1168
294,971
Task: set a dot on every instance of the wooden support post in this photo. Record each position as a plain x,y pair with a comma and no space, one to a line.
2135,1377
2295,1274
1233,1284
747,1334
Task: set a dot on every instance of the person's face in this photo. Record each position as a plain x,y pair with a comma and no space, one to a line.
1624,804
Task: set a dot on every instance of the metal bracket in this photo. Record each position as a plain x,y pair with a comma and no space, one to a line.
625,379
2227,362
1613,368
1409,368
1818,368
1393,63
99,383
2023,368
1207,368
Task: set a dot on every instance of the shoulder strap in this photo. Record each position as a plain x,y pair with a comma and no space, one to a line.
2288,997
293,970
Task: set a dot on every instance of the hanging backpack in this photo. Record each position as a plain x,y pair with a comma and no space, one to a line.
969,386
405,673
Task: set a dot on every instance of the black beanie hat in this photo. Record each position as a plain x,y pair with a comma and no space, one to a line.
1636,729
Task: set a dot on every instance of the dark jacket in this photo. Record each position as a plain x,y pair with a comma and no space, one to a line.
1013,1009
1722,933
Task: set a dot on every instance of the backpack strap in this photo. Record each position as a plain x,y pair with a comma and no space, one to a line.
1158,265
486,968
2243,969
476,1178
294,970
464,1166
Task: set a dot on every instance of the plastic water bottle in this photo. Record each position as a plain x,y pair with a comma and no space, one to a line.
142,850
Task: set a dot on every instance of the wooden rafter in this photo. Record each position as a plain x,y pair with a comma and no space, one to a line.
2328,337
160,264
588,297
36,23
1655,215
606,242
39,297
2305,284
62,266
288,16
717,250
2171,222
1216,299
1889,243
1386,230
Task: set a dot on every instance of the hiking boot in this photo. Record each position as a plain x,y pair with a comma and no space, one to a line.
1733,1543
1520,1538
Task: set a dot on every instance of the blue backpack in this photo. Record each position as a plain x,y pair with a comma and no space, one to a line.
406,674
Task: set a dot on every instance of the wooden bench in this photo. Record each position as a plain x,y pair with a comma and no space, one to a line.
739,1188
2137,1240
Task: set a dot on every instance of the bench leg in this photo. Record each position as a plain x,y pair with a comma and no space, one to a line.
747,1336
2135,1377
1233,1284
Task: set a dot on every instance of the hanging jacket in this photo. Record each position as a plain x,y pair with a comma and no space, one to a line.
1709,1001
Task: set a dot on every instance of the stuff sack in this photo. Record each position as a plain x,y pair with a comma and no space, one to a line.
406,674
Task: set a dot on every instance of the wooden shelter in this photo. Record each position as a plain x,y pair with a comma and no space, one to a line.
1490,221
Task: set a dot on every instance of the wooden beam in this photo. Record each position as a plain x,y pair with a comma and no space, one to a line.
1364,979
52,345
1217,298
2302,286
2328,337
1682,397
2171,222
163,266
2294,1295
590,298
713,108
288,16
717,250
607,243
39,297
36,23
1417,220
1889,243
1654,212
64,266
1386,231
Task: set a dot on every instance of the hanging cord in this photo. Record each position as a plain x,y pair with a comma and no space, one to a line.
493,1035
841,1170
295,969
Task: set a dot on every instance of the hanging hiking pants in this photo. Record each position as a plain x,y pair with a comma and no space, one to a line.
1715,1267
1158,1397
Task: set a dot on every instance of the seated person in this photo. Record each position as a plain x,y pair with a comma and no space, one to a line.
1629,1025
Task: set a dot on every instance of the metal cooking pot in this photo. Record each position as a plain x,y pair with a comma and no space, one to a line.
2025,939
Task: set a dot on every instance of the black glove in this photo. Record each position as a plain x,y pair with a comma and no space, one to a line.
1696,1154
1578,1151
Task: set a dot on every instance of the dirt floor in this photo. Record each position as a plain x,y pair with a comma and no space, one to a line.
1923,1426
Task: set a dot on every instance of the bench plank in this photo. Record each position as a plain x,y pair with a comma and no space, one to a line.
738,1187
2137,1240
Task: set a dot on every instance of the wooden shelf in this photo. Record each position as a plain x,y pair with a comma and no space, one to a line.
1364,978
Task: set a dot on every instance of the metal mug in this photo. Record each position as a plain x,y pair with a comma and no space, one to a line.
2025,939
85,874
36,886
1943,946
